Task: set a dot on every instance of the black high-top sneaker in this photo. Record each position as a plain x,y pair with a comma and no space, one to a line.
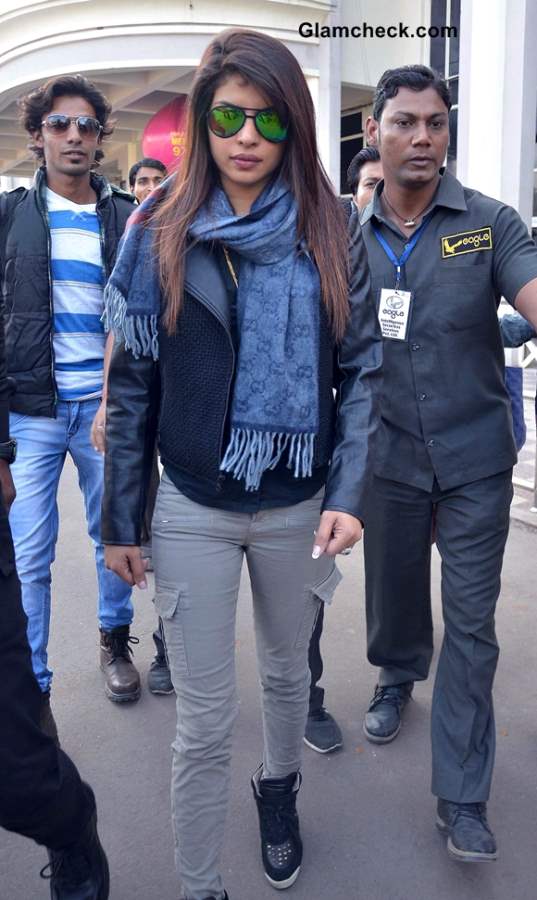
122,681
159,680
281,846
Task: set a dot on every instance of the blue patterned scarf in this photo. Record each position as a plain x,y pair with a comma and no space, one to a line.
275,407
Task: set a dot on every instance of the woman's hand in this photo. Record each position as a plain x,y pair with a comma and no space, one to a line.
127,562
336,532
97,428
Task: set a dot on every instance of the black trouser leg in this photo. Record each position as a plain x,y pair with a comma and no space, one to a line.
472,528
397,553
41,794
316,664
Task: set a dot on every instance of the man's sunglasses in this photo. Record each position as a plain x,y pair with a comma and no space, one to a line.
87,125
225,121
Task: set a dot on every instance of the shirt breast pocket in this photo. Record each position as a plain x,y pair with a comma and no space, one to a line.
462,298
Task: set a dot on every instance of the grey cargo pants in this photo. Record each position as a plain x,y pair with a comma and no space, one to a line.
198,553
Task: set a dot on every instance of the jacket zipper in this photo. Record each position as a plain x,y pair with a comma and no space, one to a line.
44,215
221,477
102,242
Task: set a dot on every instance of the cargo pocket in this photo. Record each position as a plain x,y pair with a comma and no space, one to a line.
171,603
326,589
313,597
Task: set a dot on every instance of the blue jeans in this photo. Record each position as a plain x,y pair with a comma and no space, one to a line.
42,447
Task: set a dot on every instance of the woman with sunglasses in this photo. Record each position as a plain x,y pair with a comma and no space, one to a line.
239,301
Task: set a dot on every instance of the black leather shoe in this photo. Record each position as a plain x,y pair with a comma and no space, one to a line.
79,871
382,721
469,836
322,733
281,846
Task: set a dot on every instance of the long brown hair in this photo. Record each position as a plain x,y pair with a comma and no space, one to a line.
267,64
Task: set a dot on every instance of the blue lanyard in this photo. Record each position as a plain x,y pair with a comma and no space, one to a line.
399,261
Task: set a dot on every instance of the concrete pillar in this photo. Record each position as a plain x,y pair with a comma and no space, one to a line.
498,100
328,105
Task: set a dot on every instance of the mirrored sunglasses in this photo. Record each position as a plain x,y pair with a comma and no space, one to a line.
225,121
87,125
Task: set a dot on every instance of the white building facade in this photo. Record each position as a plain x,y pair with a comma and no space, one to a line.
142,54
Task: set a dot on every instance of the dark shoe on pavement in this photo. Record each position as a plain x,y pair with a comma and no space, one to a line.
122,681
323,733
382,721
79,871
159,680
470,838
46,719
281,846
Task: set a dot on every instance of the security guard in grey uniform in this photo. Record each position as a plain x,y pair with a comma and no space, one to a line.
441,256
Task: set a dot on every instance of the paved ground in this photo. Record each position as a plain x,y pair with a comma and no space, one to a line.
524,509
367,814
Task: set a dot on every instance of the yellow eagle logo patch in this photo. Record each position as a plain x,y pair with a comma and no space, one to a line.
466,242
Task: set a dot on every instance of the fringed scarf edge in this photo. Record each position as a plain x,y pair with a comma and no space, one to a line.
140,332
251,452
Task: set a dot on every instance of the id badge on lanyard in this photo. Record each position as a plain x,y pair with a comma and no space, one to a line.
396,305
394,313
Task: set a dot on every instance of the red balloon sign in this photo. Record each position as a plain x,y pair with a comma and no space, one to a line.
164,134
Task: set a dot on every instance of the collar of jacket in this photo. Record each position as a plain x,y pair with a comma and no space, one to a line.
204,280
100,185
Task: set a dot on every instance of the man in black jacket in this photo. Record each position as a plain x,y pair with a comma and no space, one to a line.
58,242
41,794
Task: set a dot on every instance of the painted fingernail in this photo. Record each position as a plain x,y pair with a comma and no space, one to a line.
316,552
142,585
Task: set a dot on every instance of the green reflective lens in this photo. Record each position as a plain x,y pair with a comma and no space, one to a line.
270,126
225,121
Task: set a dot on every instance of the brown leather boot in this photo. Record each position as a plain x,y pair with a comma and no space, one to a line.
122,681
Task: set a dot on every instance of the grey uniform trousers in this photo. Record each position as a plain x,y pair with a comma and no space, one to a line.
198,554
472,523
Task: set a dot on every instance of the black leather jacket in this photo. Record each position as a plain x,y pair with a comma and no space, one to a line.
189,391
7,553
26,284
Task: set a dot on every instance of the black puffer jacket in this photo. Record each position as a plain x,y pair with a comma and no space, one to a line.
26,284
186,396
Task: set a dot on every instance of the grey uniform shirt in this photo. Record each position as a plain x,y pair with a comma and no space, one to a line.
445,409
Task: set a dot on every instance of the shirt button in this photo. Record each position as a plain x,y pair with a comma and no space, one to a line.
422,397
430,443
415,347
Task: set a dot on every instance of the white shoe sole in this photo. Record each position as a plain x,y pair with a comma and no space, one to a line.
319,750
282,885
